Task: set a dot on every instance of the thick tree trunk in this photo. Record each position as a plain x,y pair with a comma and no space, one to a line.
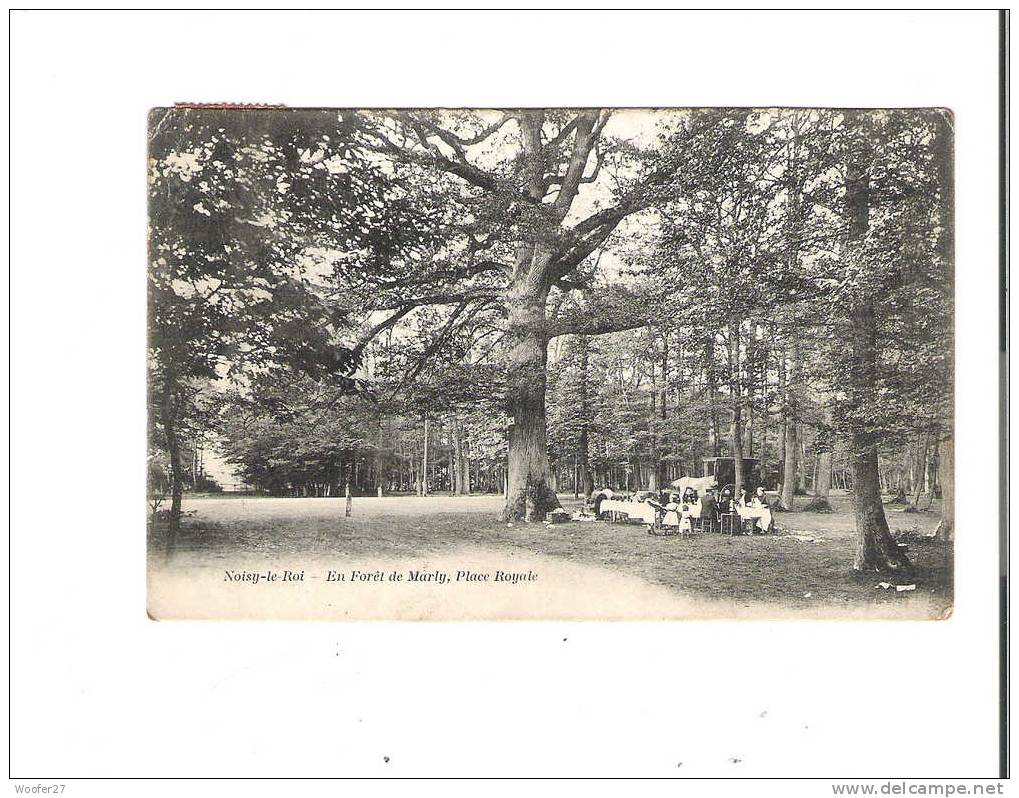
823,487
529,492
946,529
946,248
460,477
876,550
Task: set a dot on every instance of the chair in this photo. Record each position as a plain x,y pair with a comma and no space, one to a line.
729,522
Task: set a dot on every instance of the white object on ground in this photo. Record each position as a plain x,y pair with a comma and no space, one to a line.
902,588
636,511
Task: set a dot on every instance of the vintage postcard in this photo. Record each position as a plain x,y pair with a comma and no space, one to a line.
550,363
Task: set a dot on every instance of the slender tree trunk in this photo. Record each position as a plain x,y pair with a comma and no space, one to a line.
665,373
424,462
736,432
583,452
921,466
169,413
822,487
935,469
651,467
946,529
791,445
709,358
457,477
380,460
465,463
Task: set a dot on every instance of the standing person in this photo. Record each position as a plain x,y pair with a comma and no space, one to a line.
671,519
599,497
709,508
685,525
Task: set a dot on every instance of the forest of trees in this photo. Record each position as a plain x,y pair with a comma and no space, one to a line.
532,302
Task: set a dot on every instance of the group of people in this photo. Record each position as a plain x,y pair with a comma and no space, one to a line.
679,512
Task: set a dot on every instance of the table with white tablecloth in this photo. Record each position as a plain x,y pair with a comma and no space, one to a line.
761,514
646,512
643,511
637,511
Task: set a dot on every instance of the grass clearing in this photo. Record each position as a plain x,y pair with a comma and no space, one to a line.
806,567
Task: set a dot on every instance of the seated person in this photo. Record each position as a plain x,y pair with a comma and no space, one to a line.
725,502
766,521
709,509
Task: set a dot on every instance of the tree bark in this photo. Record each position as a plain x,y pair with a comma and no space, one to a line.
380,459
424,462
710,378
921,466
529,493
176,468
946,529
583,454
736,432
822,488
875,550
791,445
460,477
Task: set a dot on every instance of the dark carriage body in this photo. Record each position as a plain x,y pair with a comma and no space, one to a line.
723,469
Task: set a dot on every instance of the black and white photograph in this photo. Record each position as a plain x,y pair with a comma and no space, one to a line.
462,395
540,363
